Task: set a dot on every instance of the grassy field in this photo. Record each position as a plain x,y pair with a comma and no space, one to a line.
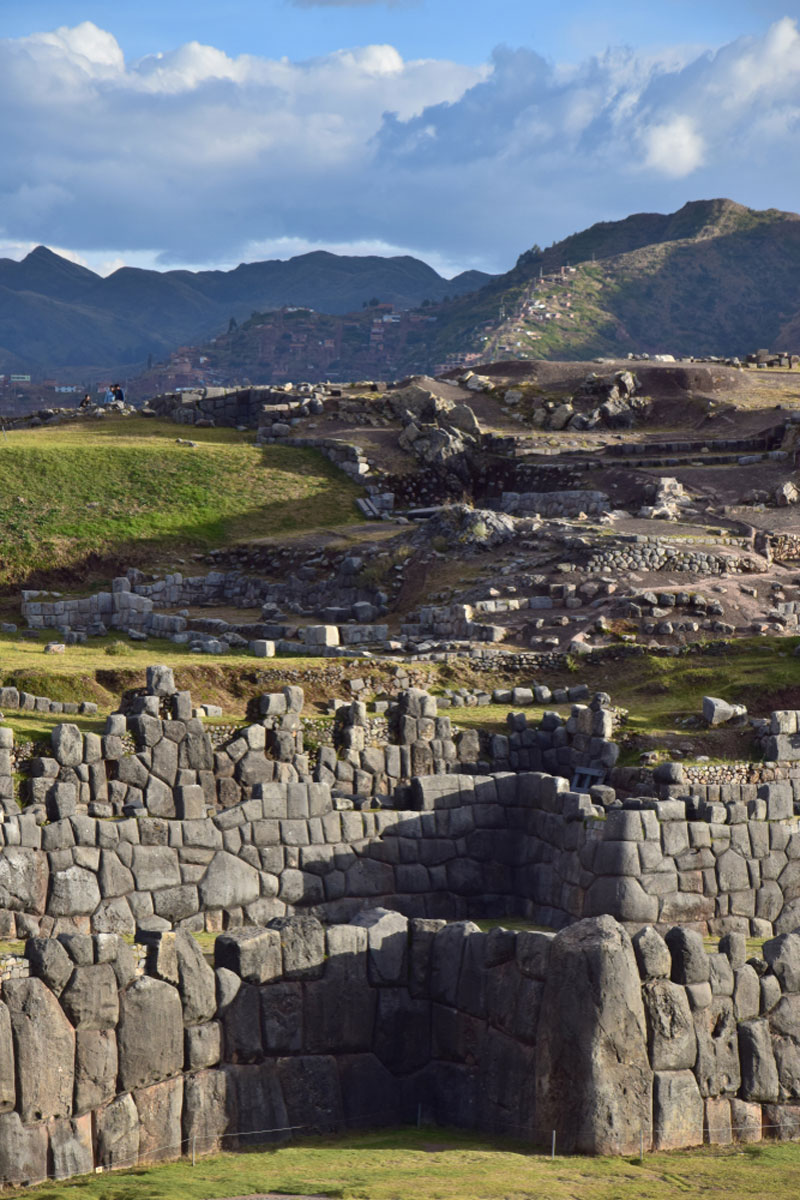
440,1164
124,489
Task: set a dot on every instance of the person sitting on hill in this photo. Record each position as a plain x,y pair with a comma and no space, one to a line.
108,398
86,401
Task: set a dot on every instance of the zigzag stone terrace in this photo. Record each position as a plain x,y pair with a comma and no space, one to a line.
349,983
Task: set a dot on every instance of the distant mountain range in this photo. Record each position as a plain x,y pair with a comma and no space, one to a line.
713,278
55,314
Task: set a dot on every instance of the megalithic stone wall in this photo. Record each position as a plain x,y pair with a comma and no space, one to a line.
107,1060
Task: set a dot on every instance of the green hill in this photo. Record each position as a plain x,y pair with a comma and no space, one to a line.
79,501
713,278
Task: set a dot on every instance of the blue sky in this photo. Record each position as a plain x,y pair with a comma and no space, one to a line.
467,30
179,133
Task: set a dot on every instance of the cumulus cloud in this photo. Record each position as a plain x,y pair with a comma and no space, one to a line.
674,147
198,157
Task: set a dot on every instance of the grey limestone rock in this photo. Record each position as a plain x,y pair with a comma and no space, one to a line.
594,1081
23,880
203,1046
254,954
311,1091
44,1050
8,1089
160,680
671,1036
74,892
689,958
387,938
196,980
23,1152
90,998
49,961
67,742
717,1068
783,955
95,1068
652,954
302,945
71,1148
150,1033
677,1111
228,882
208,1109
759,1072
117,1133
159,1108
784,1024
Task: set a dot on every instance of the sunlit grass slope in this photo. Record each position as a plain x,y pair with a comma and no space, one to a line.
127,487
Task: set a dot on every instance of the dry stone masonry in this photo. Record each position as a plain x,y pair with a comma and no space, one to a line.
109,1058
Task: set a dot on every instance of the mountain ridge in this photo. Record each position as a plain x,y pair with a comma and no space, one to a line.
133,313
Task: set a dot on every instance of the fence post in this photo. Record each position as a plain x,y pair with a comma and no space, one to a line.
641,1145
194,1143
553,1147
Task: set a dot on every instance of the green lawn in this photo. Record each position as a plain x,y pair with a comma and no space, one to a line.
443,1164
123,486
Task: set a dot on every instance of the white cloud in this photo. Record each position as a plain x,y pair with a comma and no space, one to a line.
195,156
674,147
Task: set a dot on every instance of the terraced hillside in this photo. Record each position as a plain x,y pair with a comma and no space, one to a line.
713,278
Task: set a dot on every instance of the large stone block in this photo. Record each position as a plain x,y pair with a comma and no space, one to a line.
387,938
209,1111
67,742
759,1071
8,1089
621,897
678,1111
302,942
117,1133
783,955
671,1037
228,882
784,1024
594,1082
689,959
24,877
652,954
150,1033
282,1018
254,954
90,999
155,867
44,1050
71,1149
261,1112
50,962
95,1068
203,1046
717,1068
311,1092
196,980
74,892
23,1152
160,1107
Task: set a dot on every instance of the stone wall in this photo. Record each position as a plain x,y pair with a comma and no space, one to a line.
131,604
612,1046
